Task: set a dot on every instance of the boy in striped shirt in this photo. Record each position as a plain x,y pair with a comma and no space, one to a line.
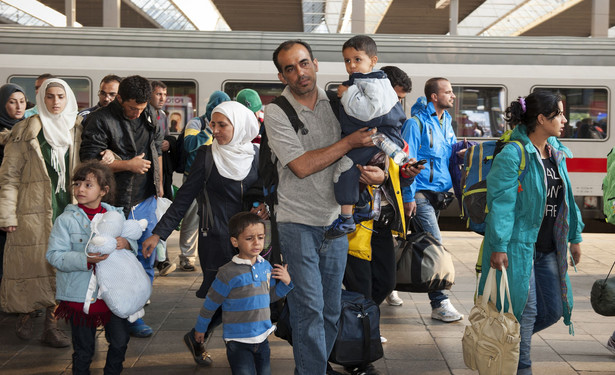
244,287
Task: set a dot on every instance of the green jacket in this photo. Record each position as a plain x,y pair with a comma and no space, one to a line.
516,213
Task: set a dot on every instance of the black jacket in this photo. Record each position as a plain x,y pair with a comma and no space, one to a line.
227,197
107,128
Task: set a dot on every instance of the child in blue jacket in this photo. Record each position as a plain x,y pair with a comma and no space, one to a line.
92,182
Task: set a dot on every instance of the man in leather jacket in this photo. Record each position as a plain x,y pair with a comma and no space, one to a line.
128,128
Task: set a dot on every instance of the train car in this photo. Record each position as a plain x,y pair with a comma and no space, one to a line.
487,73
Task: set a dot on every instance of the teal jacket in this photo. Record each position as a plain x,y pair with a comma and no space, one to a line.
66,252
516,213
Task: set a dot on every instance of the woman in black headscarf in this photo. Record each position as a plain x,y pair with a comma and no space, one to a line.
13,106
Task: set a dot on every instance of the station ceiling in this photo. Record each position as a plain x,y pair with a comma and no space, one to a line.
398,16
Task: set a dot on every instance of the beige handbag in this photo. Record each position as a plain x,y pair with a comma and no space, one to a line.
491,342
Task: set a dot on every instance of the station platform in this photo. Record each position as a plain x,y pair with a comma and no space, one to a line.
416,343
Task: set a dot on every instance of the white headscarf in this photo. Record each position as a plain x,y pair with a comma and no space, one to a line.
234,159
57,128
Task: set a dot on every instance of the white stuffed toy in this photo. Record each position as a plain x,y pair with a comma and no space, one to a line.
122,281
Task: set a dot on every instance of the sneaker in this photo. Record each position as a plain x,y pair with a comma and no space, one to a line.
340,227
393,299
363,214
368,369
446,312
383,339
201,357
610,345
186,265
166,267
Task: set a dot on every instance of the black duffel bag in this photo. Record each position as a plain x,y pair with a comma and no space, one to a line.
423,264
358,336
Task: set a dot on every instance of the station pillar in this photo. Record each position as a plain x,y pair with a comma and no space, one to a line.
70,9
111,13
600,18
358,17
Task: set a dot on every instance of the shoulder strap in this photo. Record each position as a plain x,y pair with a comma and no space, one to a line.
522,169
290,112
419,123
334,101
209,164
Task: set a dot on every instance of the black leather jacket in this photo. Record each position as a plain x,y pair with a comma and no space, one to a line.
107,128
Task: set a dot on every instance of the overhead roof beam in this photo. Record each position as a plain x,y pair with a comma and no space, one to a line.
162,13
31,13
511,17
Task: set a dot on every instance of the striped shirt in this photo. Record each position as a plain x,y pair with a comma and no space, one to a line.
244,291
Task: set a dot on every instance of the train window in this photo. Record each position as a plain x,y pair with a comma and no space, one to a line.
81,87
181,105
267,90
586,110
479,111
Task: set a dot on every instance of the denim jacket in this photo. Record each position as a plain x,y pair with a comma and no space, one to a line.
66,252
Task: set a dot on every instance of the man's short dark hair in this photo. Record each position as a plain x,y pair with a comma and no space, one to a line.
135,87
362,43
432,85
239,222
45,76
286,46
398,77
156,84
111,78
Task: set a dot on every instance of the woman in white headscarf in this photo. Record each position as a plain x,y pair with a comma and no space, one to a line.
35,176
225,171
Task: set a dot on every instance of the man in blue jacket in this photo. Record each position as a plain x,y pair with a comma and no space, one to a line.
431,138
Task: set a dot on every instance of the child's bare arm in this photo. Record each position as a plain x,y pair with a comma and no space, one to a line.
280,272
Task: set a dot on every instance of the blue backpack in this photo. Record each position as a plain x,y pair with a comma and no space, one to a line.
478,161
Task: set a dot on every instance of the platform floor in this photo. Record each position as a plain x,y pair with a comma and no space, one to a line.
416,343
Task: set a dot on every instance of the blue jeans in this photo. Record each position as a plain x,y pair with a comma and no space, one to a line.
146,210
544,303
427,217
316,266
248,359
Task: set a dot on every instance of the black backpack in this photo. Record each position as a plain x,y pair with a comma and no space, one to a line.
182,154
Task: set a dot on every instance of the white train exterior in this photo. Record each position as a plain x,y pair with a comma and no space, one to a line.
487,74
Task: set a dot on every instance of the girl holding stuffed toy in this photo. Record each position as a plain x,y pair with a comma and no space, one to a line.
93,182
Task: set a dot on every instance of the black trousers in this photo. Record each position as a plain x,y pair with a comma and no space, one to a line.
374,279
84,342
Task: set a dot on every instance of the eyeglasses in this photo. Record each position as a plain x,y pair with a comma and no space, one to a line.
112,95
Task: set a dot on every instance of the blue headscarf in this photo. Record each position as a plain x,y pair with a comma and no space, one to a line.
215,99
5,93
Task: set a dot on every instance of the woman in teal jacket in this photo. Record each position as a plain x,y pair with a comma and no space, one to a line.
531,222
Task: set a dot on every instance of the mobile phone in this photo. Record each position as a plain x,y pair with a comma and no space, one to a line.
420,162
